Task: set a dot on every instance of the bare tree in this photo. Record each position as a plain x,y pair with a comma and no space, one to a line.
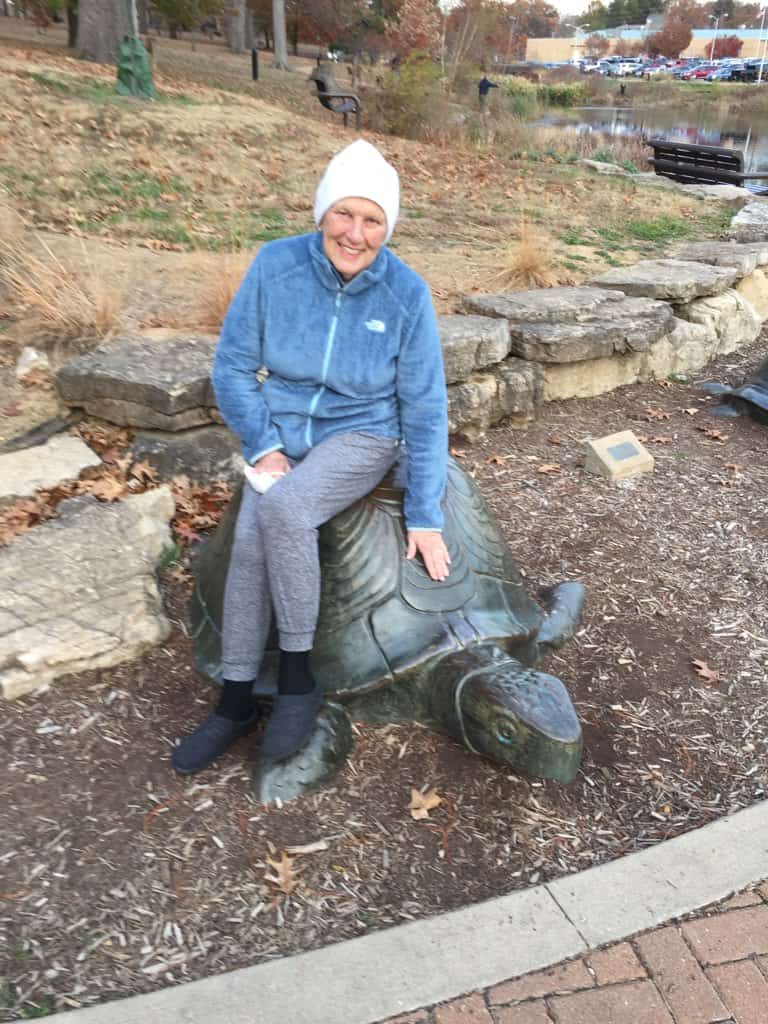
280,36
101,25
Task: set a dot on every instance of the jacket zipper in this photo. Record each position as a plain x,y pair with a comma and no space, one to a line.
324,372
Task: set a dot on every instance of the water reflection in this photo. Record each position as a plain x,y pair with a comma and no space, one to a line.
635,122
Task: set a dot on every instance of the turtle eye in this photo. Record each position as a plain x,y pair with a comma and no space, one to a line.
506,732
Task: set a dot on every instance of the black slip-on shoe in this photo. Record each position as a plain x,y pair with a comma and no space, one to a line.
209,741
290,724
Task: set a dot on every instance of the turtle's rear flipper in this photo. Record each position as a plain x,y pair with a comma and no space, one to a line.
563,605
316,763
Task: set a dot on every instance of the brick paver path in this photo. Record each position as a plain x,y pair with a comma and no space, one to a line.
710,968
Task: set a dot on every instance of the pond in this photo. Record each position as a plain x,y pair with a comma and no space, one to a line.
750,136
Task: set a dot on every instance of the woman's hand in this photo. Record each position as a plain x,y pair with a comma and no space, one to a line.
430,545
275,463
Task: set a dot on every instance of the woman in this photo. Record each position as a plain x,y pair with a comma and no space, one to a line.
349,337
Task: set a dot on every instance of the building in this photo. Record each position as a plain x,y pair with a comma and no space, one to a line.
546,50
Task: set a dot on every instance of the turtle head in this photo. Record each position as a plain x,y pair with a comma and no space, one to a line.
517,716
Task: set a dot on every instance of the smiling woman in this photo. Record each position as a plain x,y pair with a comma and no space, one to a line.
349,338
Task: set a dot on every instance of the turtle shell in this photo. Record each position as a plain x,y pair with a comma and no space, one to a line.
380,614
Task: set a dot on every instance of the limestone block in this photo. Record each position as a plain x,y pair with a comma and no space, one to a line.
543,305
33,469
510,392
79,592
754,288
675,280
617,456
730,195
203,454
29,360
591,377
729,315
136,381
750,224
689,346
471,343
601,167
744,257
616,327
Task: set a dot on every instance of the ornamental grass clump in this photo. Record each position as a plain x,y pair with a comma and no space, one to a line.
220,277
527,262
56,307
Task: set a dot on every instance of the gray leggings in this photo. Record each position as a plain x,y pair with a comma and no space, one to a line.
275,563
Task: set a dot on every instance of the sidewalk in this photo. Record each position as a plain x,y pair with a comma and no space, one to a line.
710,968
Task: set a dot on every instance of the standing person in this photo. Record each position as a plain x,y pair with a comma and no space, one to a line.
349,336
484,86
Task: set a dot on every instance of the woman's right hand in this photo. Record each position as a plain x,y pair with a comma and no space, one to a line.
275,463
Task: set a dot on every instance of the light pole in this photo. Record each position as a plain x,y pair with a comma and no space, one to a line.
763,40
714,37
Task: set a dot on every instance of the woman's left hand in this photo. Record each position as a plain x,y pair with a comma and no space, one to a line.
430,545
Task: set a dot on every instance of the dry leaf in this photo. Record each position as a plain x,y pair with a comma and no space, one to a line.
105,489
702,669
422,803
548,467
715,435
317,847
656,414
284,876
457,454
145,473
691,412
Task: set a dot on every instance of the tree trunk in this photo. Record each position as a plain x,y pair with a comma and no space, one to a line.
237,27
72,24
101,25
143,13
295,35
250,34
3,8
280,53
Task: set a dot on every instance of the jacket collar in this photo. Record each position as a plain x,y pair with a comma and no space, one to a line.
330,278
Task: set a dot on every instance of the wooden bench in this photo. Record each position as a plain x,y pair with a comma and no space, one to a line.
701,165
332,97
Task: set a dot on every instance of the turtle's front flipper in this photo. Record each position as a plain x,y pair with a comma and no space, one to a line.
498,707
318,760
563,605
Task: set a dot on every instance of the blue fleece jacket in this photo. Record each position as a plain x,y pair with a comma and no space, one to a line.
362,355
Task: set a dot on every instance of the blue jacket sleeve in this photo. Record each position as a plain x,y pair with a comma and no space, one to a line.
238,357
423,403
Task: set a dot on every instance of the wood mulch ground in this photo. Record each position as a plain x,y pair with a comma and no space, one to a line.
119,877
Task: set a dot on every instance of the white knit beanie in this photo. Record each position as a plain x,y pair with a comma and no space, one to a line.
361,171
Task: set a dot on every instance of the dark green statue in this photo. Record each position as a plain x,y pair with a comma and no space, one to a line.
392,645
751,399
134,71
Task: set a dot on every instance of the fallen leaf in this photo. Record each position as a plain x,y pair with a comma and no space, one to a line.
422,803
656,414
691,412
548,467
735,467
457,454
145,473
12,409
552,439
702,669
715,435
284,876
107,488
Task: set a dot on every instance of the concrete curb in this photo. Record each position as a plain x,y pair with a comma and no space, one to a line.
364,980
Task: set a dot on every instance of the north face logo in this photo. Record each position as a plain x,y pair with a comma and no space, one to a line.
377,326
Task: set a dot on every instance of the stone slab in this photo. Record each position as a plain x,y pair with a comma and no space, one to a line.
204,454
754,288
633,894
673,280
729,195
730,316
369,978
750,224
617,456
24,472
630,325
79,591
471,343
543,305
168,378
744,257
510,391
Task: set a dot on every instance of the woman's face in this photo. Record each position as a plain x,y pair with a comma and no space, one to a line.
353,232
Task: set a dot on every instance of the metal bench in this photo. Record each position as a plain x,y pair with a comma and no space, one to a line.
701,165
333,98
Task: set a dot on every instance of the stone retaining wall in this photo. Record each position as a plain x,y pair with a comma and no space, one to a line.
510,353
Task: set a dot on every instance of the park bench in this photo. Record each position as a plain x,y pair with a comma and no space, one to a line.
701,165
334,98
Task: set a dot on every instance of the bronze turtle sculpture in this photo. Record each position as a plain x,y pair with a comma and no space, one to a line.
392,645
750,399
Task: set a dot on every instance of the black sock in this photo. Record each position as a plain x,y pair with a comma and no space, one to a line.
294,675
236,700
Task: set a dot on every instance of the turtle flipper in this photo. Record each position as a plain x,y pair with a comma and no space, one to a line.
502,709
563,605
315,764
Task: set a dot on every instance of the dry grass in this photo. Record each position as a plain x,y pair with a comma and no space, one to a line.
220,277
56,307
527,262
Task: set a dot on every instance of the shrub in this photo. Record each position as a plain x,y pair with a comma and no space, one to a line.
525,96
410,99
